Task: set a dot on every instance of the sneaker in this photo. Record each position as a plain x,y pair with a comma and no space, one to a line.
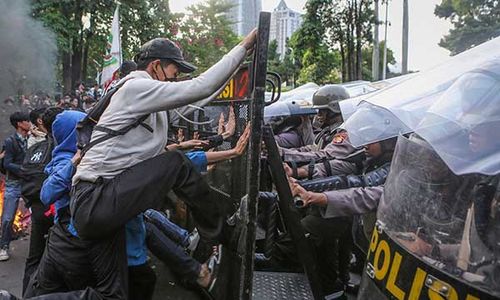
194,240
4,255
213,265
4,295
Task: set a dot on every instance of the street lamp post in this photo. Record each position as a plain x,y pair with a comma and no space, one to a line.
405,37
384,66
293,70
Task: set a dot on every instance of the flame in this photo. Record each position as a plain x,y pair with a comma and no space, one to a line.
21,220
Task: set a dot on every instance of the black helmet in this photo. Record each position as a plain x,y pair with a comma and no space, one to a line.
328,96
162,48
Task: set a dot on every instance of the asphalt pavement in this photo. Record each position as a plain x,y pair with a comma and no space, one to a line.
167,287
11,271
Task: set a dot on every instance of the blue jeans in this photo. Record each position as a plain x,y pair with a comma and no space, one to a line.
10,203
167,241
170,229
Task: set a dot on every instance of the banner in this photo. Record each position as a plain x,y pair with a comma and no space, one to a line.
113,57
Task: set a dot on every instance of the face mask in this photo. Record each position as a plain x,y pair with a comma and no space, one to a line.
163,71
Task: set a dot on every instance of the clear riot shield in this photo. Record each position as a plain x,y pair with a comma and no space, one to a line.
437,234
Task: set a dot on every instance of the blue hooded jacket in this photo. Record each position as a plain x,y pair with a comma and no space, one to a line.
57,186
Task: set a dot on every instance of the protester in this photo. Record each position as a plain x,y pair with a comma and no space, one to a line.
37,131
37,157
15,148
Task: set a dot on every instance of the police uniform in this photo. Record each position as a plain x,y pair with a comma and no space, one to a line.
326,97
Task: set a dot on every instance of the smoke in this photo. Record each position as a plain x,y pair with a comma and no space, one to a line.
27,56
27,51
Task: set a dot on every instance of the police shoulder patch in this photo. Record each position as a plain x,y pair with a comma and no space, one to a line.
339,138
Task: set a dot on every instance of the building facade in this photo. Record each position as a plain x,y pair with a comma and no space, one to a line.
284,22
244,15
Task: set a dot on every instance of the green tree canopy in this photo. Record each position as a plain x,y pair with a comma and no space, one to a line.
474,21
329,44
82,28
204,33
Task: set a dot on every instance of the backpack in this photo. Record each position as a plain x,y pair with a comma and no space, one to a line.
32,170
16,143
85,127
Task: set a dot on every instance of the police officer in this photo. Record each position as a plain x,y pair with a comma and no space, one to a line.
328,119
326,100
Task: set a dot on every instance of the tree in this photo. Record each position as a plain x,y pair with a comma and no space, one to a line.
334,28
474,22
204,33
317,62
287,67
348,28
368,57
82,27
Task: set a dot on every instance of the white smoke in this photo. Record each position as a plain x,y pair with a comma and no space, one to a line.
28,55
27,51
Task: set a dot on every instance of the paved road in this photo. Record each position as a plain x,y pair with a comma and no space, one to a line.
11,271
11,276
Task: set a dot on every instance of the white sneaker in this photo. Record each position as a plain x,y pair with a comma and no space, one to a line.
194,239
4,255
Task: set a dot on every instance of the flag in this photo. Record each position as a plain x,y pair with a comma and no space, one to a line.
113,57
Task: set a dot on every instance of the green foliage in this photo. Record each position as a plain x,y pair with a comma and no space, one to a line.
140,21
368,57
82,28
321,66
286,67
474,21
330,41
204,33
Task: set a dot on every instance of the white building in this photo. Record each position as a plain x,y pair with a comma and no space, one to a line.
245,15
284,22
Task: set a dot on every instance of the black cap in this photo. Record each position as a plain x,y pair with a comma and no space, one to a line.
162,48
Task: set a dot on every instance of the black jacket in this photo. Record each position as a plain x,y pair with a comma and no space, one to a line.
15,150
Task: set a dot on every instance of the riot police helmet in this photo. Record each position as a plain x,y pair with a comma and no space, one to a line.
329,96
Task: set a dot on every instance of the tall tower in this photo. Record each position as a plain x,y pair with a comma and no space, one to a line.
244,14
284,22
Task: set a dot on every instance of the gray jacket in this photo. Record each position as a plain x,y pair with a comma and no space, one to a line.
353,201
339,147
139,96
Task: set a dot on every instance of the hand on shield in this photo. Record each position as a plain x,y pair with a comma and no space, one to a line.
249,41
307,197
229,128
242,143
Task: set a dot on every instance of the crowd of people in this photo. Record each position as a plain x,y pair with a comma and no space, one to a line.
82,98
98,168
103,254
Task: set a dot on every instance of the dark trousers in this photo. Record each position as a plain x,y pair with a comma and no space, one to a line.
324,234
141,282
100,209
172,254
40,225
86,294
72,264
